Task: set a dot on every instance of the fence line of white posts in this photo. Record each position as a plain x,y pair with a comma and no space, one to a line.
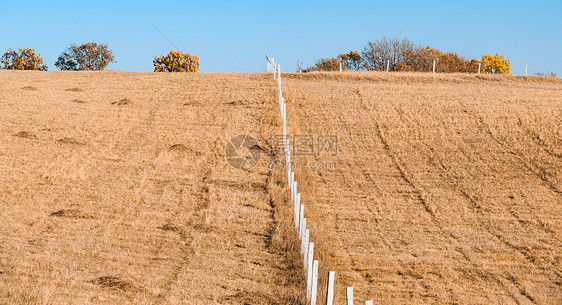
310,265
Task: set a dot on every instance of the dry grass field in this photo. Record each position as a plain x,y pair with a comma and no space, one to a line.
115,188
447,188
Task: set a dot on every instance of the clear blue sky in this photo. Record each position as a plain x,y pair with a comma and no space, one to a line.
234,36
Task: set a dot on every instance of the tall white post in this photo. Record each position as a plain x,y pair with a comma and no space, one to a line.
297,208
369,302
314,286
302,232
349,295
310,258
301,218
305,248
434,66
330,291
525,69
388,65
479,65
293,186
340,66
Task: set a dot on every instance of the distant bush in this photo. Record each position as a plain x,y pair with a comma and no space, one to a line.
496,64
176,61
351,61
88,56
417,59
324,64
404,55
421,60
376,54
22,59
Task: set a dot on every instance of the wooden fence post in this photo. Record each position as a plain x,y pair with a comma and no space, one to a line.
330,290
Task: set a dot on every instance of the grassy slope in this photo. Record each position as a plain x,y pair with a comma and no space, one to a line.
447,187
115,189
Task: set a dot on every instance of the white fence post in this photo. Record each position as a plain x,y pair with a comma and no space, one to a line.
305,248
282,106
284,121
297,205
349,295
309,262
479,65
301,217
293,184
388,65
340,66
314,287
294,190
434,66
369,302
330,291
302,232
525,69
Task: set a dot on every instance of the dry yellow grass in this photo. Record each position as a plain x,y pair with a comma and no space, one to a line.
447,188
115,188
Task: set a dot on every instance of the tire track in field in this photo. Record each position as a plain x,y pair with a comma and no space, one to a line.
403,269
503,147
535,138
399,266
454,184
418,192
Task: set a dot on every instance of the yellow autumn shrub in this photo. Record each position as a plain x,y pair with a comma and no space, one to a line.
496,64
176,61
